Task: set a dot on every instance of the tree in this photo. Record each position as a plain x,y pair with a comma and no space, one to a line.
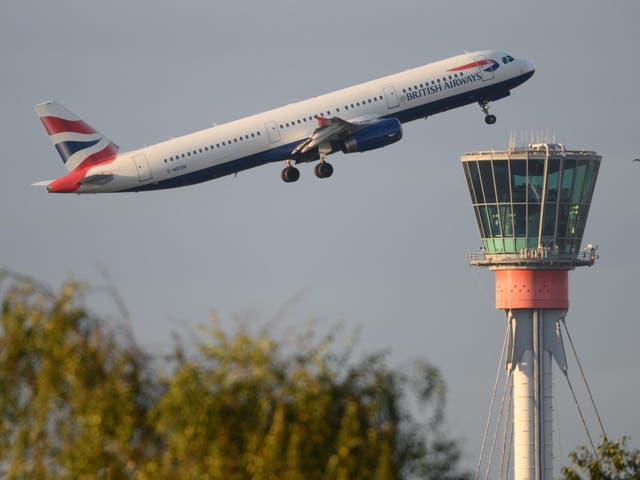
71,396
614,461
78,399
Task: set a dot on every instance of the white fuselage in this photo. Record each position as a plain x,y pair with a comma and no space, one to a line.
272,135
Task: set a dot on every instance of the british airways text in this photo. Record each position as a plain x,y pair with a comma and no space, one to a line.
444,86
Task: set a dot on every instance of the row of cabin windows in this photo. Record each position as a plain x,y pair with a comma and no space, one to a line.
432,82
212,147
282,126
328,112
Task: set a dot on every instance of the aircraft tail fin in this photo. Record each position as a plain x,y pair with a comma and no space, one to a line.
76,141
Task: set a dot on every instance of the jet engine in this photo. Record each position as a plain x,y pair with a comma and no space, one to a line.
376,135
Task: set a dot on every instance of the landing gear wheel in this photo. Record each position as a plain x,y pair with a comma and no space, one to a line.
490,119
323,170
290,174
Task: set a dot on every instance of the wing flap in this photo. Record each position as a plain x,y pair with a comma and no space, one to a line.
329,130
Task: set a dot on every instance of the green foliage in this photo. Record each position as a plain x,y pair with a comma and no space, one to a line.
70,396
614,461
79,400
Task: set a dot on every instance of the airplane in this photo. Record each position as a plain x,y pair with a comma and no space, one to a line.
355,119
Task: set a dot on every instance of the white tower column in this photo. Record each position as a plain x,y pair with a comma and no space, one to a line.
533,340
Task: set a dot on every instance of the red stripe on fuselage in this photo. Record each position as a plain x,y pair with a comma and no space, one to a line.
71,182
468,65
55,125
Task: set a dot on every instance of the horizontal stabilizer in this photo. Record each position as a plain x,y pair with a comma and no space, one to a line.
98,178
42,183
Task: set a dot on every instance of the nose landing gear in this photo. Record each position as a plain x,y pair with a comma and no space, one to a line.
488,118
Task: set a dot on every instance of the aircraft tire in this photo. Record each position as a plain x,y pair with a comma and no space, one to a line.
323,170
490,119
290,174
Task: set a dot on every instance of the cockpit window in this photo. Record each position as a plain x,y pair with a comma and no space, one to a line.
507,59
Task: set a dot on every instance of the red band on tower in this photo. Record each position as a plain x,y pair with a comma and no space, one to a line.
532,289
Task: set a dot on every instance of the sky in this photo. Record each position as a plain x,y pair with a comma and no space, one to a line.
381,245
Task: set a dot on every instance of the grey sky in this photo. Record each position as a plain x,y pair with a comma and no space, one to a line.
381,244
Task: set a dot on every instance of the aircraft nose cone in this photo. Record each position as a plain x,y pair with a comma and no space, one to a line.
527,67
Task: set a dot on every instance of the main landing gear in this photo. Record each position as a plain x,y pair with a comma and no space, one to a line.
289,173
322,170
488,118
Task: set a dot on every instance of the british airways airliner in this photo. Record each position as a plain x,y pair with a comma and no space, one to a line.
355,119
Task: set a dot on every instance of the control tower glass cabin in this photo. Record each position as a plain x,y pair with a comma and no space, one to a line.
531,201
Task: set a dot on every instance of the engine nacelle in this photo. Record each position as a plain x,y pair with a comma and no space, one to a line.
377,135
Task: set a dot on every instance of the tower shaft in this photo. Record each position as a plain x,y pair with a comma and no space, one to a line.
532,330
534,302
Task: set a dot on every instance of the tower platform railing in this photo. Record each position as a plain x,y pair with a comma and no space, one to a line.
539,258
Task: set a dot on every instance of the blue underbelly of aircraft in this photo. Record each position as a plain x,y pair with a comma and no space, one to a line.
283,152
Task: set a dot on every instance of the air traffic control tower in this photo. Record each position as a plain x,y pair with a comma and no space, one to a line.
531,205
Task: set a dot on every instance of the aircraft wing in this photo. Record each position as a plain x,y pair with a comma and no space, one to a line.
329,130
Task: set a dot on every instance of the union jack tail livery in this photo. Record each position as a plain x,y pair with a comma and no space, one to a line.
80,145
